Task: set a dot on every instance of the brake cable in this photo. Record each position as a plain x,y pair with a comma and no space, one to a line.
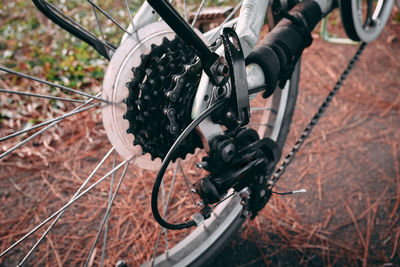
156,187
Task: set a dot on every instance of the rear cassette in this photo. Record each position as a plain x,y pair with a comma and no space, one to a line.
161,94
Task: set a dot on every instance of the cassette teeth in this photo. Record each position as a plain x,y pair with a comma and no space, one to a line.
166,70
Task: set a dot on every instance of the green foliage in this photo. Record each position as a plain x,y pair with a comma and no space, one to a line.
396,18
31,44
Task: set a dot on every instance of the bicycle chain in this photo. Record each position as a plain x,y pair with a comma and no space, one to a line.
306,132
161,93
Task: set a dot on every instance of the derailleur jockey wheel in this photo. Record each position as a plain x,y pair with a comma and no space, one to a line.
241,161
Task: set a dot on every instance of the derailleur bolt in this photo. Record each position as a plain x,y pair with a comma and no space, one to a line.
262,193
220,92
173,129
171,112
201,165
223,70
228,152
244,195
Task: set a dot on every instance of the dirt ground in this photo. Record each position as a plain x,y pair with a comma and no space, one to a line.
350,167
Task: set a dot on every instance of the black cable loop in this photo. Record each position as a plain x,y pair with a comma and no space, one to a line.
156,187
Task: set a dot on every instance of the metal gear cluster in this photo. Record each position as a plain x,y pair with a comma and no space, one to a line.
160,98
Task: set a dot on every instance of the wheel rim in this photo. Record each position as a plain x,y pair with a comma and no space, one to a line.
361,26
230,208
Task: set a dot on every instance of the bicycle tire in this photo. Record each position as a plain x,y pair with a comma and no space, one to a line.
358,28
289,95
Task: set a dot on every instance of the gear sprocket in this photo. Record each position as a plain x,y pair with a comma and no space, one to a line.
160,98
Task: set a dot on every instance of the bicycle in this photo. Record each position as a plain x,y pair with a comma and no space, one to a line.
229,209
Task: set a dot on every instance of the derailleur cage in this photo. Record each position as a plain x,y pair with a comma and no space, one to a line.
238,161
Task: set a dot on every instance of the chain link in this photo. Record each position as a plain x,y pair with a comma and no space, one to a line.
306,132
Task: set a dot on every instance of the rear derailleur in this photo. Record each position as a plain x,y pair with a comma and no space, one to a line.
237,159
241,161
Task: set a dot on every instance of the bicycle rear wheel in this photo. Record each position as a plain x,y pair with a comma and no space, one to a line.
39,178
365,21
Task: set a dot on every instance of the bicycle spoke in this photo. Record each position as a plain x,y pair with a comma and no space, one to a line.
98,23
129,13
156,246
103,249
55,122
261,125
166,242
368,18
165,208
100,28
167,204
75,199
164,205
57,119
106,215
40,96
222,200
77,25
198,13
263,109
108,16
185,10
59,215
61,210
188,183
62,87
217,30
